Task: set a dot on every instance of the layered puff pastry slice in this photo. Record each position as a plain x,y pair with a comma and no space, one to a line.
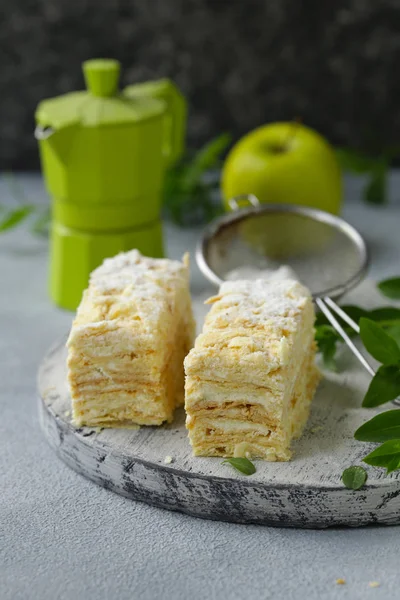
251,375
128,341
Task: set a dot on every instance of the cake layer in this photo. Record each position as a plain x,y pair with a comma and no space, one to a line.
117,349
122,369
127,344
250,334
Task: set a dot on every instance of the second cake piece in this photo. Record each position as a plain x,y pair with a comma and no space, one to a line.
251,376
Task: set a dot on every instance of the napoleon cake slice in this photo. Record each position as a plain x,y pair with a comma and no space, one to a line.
251,376
132,330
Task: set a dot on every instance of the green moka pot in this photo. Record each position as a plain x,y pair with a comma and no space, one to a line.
104,155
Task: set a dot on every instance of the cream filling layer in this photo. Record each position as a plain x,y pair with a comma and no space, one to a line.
232,365
230,426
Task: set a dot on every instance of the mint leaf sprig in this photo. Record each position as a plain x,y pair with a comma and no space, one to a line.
191,191
388,317
12,217
378,343
380,335
384,387
374,168
243,465
390,288
387,455
354,477
381,428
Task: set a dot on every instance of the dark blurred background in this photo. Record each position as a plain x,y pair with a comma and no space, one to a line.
240,63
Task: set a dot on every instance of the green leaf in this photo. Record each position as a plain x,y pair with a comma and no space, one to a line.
387,455
390,287
394,331
375,191
389,318
378,343
393,465
328,355
205,159
328,351
384,313
381,428
326,338
384,387
323,329
189,196
324,332
244,465
354,477
209,156
14,217
354,161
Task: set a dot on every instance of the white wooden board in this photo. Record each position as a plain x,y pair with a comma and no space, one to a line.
306,492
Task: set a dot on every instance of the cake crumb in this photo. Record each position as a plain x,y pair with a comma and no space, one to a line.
374,584
67,413
168,460
340,581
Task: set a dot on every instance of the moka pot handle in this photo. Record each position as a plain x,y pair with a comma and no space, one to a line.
174,124
175,119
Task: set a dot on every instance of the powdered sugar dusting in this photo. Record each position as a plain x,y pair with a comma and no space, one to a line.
130,271
259,300
134,288
282,272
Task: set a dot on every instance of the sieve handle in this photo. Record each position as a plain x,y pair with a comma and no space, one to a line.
339,311
325,304
322,304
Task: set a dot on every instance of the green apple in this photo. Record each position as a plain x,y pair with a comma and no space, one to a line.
284,163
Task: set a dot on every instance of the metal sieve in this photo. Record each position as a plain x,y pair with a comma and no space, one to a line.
328,255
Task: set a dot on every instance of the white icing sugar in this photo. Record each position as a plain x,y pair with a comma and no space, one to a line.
130,272
252,273
262,292
258,302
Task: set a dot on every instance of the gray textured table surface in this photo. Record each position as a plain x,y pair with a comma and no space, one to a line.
62,537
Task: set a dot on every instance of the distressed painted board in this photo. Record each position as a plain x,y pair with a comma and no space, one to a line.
306,492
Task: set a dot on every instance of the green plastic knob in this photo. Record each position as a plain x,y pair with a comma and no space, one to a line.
102,76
